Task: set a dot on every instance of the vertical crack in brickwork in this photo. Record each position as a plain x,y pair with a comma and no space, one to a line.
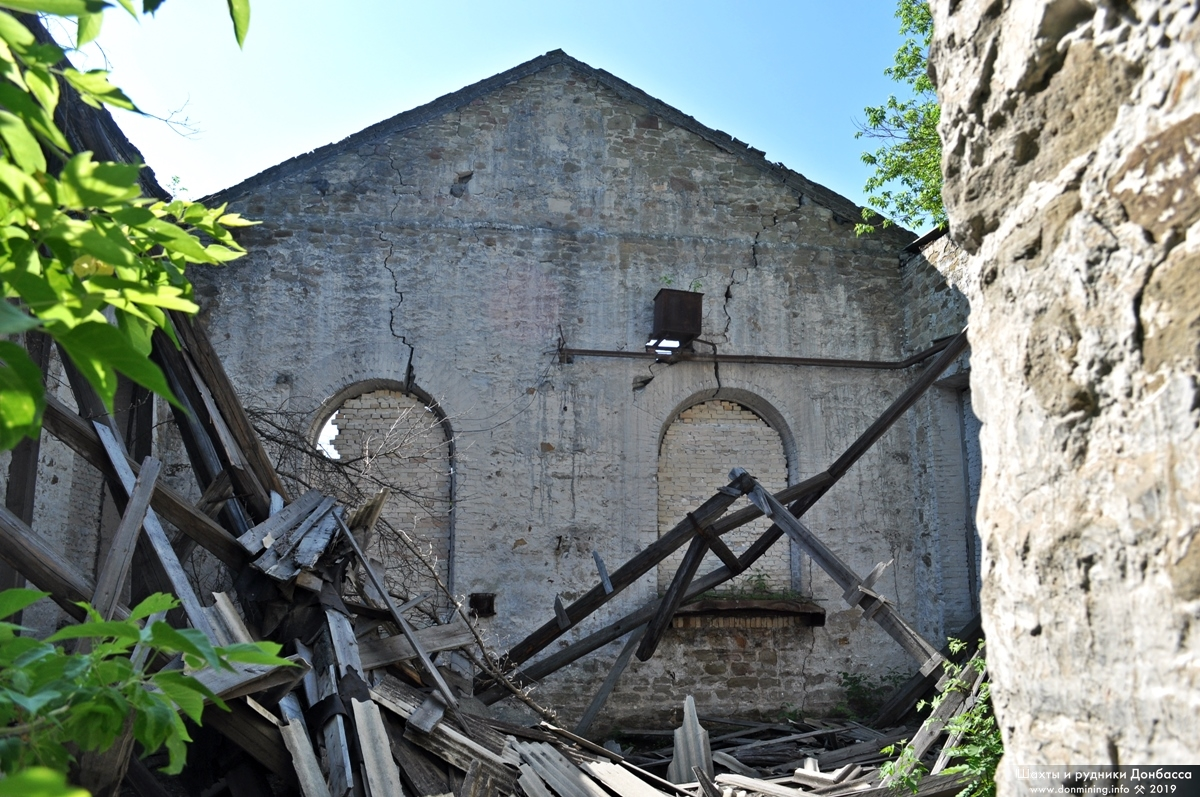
408,376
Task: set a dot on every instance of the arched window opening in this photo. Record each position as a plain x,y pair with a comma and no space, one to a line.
396,439
698,449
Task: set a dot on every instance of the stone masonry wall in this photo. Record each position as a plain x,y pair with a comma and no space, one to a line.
1071,135
453,253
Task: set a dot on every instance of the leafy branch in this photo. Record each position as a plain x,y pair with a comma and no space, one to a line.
83,257
906,183
53,703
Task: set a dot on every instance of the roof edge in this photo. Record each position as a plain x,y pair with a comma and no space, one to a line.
843,208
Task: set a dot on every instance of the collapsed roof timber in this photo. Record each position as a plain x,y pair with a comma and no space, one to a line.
304,549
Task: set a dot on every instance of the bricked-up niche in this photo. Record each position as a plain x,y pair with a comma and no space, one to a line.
390,438
698,450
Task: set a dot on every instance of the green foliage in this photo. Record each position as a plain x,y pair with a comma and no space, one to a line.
866,694
83,258
979,747
907,181
51,700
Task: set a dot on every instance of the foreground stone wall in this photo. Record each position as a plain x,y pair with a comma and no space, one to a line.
1072,162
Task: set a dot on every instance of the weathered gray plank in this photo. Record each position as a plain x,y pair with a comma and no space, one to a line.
553,767
383,779
377,652
278,524
43,565
120,552
296,739
75,432
180,584
619,779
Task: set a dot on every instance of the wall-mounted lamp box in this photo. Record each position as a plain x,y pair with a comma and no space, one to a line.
677,317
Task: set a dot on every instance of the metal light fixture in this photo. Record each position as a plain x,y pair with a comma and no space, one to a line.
677,316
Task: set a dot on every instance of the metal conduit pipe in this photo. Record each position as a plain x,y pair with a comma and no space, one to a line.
565,354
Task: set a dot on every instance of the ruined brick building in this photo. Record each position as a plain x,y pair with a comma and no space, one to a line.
431,266
421,282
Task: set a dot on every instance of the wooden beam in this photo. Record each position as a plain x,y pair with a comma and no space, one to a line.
673,598
78,435
180,584
625,575
120,552
196,341
21,488
610,683
44,566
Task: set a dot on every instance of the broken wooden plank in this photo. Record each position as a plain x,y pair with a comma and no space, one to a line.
196,341
757,785
624,576
565,778
418,770
247,482
281,548
249,679
383,779
602,571
120,552
732,764
619,779
405,627
180,585
333,732
443,741
610,683
227,622
295,737
377,653
309,549
691,746
882,612
277,525
560,614
44,566
75,432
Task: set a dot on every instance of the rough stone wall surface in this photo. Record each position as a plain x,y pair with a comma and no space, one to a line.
451,255
1072,166
694,461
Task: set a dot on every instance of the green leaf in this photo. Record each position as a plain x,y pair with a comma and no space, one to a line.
239,12
14,600
62,8
22,397
39,782
84,183
13,320
188,641
88,28
255,653
22,146
14,33
94,89
150,6
99,349
35,116
187,693
158,602
113,628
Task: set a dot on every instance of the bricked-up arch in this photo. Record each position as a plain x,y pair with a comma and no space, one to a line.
698,448
394,435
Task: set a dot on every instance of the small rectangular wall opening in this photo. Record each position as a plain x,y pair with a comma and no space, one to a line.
482,604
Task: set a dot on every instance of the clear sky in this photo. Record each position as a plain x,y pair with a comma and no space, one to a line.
789,77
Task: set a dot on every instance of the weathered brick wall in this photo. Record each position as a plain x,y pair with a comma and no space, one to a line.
697,450
391,439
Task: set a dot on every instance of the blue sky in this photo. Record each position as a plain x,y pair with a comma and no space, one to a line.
790,78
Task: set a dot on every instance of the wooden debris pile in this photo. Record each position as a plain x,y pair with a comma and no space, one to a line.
368,709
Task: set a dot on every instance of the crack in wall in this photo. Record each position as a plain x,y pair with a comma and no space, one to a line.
412,351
